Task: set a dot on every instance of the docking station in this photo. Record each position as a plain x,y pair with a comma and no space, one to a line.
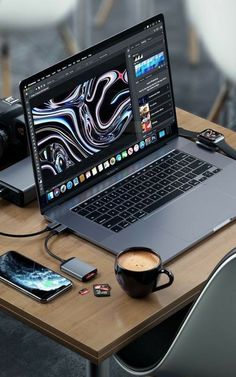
17,183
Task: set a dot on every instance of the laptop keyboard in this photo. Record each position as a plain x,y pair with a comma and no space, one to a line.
143,192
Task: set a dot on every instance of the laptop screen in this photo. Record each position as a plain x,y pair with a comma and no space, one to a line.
99,110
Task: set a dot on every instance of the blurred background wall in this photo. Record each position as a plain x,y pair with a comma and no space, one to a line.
39,44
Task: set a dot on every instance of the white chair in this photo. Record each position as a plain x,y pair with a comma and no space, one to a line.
214,22
103,12
29,15
193,49
140,10
205,344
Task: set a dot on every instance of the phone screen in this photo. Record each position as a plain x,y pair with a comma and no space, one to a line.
28,275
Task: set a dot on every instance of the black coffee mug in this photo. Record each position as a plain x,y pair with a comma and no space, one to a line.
139,283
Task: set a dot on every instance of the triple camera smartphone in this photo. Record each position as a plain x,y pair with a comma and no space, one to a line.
31,278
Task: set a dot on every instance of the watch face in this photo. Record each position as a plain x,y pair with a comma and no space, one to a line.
210,136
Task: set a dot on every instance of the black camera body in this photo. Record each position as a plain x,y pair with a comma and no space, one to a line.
13,138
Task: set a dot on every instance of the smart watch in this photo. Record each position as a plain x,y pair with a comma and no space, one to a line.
209,139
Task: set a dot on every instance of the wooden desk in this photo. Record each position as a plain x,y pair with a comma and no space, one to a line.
98,327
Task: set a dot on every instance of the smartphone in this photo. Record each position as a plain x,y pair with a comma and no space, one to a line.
31,278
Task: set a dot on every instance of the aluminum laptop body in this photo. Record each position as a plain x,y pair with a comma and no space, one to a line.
102,127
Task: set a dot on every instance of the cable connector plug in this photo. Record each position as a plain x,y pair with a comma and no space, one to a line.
57,227
2,191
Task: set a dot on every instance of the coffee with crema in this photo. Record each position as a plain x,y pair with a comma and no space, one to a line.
138,260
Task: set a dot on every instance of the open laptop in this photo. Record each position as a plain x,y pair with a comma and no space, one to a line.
108,162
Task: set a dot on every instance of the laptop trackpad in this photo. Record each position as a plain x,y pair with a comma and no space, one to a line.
197,213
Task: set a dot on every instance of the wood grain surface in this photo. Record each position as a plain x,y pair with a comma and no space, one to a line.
98,327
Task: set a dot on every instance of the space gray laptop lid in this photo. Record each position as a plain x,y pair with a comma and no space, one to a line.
97,112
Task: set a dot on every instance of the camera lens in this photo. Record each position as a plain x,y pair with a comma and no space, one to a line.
3,141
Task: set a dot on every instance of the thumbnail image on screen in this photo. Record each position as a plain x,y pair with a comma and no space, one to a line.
148,65
82,121
145,117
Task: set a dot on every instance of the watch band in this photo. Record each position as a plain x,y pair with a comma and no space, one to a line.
188,134
221,145
227,149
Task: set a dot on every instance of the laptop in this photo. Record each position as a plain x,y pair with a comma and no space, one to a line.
108,162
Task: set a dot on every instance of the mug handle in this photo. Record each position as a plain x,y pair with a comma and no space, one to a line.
170,276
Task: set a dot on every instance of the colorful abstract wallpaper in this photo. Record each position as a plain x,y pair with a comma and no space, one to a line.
83,121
